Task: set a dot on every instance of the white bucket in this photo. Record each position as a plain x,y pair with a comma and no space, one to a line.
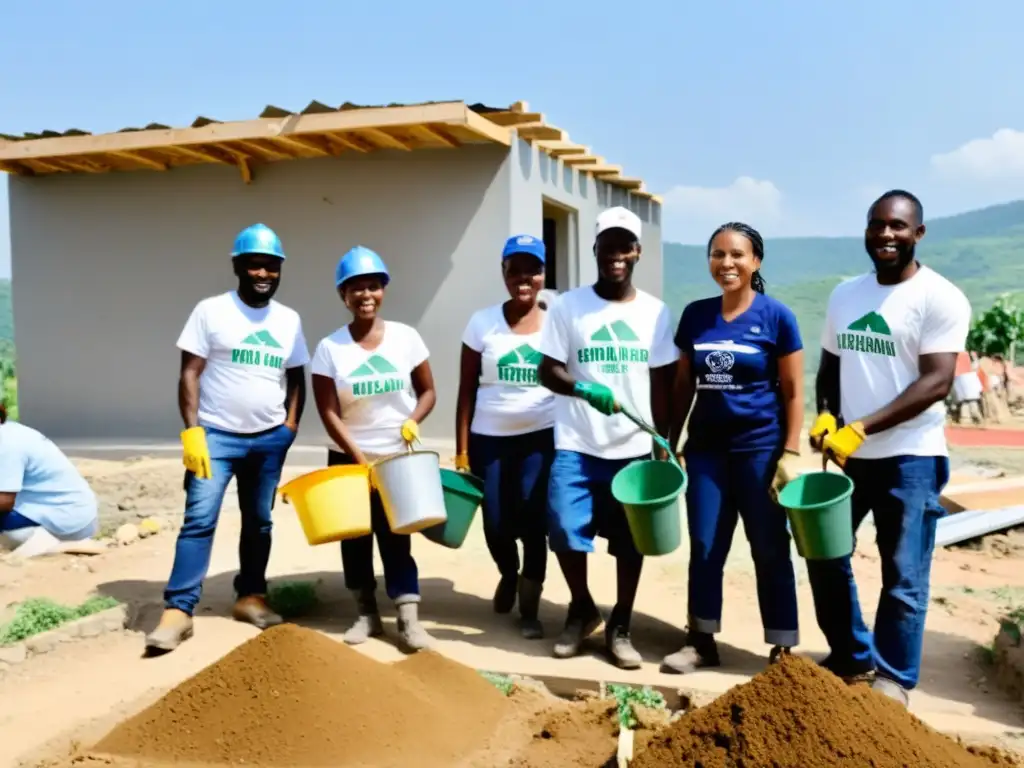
410,490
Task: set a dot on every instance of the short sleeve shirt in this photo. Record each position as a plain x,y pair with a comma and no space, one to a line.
509,399
878,333
735,363
374,386
615,343
48,489
247,352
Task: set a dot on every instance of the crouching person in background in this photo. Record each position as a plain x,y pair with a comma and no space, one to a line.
44,502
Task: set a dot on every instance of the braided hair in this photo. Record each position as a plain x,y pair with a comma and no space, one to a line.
756,244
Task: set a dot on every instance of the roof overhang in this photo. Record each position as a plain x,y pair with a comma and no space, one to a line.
318,131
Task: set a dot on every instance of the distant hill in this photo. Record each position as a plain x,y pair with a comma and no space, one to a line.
981,251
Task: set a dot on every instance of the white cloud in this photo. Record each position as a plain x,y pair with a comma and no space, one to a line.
690,214
999,157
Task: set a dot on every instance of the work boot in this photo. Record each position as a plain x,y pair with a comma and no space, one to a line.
505,593
175,627
254,610
777,652
529,607
892,689
368,624
580,624
850,674
411,633
698,652
620,647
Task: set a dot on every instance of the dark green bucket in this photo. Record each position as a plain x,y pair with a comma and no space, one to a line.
820,515
463,493
649,491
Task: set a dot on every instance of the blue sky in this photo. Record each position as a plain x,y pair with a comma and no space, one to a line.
790,114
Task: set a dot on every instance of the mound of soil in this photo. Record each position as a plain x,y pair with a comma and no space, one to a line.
291,696
797,715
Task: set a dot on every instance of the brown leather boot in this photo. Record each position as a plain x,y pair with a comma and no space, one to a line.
254,610
175,627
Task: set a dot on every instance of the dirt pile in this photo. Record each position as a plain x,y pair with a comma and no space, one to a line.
797,715
581,734
293,697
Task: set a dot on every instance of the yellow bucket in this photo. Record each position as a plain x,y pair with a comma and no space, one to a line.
333,504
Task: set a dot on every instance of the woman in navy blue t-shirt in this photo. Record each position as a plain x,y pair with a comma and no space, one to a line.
741,369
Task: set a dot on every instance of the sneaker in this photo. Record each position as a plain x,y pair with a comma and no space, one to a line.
892,689
849,674
700,651
621,649
579,625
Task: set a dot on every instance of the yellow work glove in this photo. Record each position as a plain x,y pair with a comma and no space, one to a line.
785,470
841,445
195,455
824,425
410,431
462,463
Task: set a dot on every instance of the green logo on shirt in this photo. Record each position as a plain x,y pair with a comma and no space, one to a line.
520,366
378,378
869,334
253,351
613,347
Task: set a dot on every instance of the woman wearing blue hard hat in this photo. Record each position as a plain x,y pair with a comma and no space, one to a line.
373,386
504,426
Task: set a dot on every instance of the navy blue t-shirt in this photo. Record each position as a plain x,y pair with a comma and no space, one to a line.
738,405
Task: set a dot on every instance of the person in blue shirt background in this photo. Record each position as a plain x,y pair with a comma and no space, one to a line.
44,501
742,361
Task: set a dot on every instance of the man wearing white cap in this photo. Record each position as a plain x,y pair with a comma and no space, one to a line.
603,344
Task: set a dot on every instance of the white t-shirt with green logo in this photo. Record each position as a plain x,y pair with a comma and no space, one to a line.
878,332
510,400
247,351
374,386
613,343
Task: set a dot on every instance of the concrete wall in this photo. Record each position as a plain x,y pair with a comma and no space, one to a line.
107,268
536,176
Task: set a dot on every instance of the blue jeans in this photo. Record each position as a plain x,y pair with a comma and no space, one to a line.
515,472
723,488
903,493
255,461
401,577
581,506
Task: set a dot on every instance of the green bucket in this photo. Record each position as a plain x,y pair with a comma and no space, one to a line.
820,515
649,491
463,493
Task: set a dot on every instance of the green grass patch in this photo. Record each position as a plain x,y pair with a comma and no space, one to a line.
626,696
502,682
293,599
40,614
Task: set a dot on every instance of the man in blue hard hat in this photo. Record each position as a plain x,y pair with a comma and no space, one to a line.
241,393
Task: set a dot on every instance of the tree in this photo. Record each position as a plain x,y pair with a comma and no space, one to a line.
998,330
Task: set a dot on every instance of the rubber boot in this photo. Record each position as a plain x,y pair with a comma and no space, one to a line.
529,606
175,627
505,593
368,624
412,635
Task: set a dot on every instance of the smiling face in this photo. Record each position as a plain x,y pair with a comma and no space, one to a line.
524,277
363,296
731,261
617,252
258,275
893,231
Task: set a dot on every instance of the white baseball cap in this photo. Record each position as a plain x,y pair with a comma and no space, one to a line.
619,218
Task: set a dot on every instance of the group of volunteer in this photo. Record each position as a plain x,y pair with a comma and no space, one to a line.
538,420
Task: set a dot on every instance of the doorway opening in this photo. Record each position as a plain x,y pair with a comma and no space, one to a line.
559,242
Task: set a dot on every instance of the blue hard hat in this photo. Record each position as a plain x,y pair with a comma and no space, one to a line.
259,238
523,244
358,262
